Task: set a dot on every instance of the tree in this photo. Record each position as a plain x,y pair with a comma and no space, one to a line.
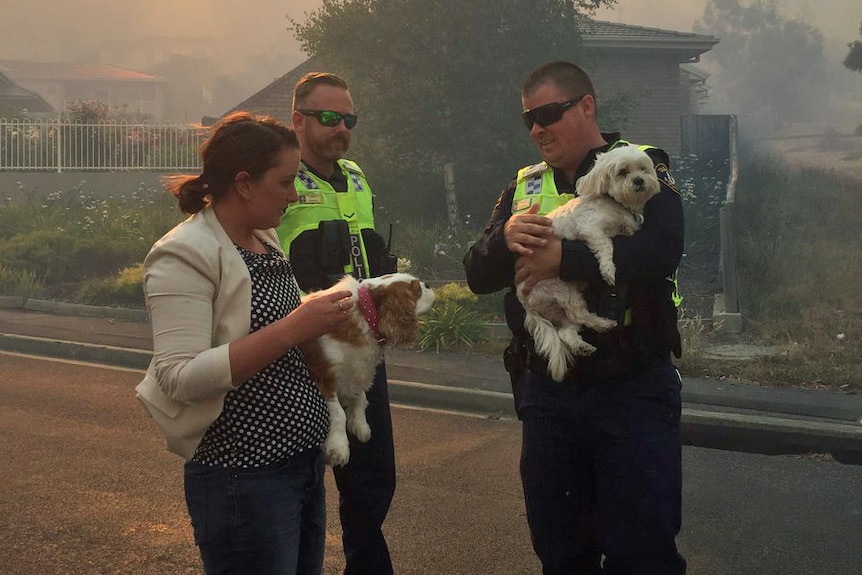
853,61
770,65
437,82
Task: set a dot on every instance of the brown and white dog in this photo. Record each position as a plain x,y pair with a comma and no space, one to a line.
385,311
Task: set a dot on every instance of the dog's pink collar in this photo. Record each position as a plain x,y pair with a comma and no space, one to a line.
369,312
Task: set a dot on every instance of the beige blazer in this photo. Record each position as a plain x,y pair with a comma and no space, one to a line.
198,292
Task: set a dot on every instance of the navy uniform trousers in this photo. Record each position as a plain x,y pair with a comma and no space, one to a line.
366,486
601,471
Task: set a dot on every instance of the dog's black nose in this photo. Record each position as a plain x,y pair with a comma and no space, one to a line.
638,182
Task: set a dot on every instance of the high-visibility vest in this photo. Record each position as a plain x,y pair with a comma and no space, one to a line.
536,184
319,202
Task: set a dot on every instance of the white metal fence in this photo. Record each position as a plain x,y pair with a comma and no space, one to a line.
59,146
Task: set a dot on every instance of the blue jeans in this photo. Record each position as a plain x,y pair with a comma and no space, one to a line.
263,521
602,477
366,486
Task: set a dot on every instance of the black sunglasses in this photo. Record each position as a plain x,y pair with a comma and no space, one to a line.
330,118
548,114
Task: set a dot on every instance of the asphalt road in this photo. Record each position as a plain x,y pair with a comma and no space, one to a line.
90,489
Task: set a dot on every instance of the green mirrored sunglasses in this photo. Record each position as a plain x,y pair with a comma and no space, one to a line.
330,118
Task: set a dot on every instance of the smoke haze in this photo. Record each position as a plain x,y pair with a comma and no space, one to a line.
62,29
838,20
250,47
253,46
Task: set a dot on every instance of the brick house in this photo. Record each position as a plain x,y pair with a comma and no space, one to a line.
652,67
60,83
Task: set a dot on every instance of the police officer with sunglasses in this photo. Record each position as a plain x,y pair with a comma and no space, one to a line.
330,232
601,451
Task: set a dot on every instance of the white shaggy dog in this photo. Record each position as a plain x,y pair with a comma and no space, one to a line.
385,311
610,201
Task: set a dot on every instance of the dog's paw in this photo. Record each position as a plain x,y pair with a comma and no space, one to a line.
583,348
602,324
360,429
575,342
609,273
336,450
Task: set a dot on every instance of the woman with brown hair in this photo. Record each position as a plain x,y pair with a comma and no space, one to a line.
228,384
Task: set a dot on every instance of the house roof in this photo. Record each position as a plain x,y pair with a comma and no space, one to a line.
32,70
601,34
277,97
597,34
14,99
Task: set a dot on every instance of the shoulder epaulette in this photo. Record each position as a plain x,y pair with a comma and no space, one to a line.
532,171
665,177
306,179
351,166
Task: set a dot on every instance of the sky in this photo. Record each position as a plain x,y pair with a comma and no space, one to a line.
74,27
256,43
838,20
41,28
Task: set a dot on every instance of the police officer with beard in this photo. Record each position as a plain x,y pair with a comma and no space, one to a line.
330,232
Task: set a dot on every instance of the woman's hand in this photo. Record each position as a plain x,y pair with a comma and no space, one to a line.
321,312
318,314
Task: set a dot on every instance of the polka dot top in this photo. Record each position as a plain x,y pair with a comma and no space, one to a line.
279,412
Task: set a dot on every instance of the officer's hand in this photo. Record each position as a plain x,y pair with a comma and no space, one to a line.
542,264
523,232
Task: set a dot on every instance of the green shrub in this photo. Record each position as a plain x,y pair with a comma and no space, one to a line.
448,326
455,293
40,252
21,283
125,289
488,307
67,236
20,218
55,256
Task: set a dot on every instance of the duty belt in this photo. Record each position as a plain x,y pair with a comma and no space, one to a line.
621,363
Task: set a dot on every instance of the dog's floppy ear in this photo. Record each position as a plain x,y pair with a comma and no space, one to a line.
396,310
597,181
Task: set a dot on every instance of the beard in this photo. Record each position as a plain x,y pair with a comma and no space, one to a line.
333,148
